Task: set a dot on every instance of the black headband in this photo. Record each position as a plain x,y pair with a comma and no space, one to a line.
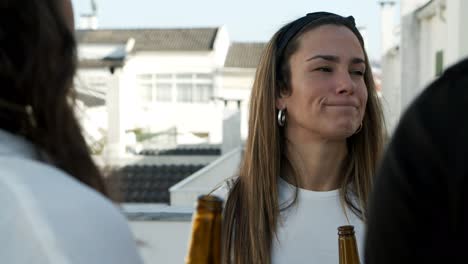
296,26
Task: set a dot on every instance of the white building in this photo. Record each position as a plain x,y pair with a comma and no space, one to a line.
157,79
429,39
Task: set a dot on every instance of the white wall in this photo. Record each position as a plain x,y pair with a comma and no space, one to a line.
86,79
191,117
456,15
433,35
117,116
221,46
391,88
185,117
162,241
439,26
387,13
206,180
410,59
202,117
237,84
159,116
231,130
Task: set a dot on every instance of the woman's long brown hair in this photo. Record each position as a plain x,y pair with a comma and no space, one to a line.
37,66
252,207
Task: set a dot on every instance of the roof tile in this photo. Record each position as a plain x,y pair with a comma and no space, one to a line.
186,39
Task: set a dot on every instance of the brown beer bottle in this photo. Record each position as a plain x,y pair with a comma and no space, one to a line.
348,251
205,243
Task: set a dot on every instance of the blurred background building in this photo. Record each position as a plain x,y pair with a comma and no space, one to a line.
429,38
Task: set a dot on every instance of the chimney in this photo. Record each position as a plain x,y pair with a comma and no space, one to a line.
387,13
90,21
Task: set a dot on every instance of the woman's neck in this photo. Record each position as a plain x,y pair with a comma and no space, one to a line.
318,163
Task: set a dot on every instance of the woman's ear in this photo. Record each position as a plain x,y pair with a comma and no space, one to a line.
281,101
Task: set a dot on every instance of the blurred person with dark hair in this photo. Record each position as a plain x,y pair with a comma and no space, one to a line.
53,204
419,206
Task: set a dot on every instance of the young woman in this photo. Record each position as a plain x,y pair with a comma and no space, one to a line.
315,136
53,208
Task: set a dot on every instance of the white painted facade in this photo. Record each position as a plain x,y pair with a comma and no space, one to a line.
431,40
160,115
391,89
152,90
386,25
237,84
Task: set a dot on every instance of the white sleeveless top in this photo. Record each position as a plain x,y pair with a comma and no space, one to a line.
307,232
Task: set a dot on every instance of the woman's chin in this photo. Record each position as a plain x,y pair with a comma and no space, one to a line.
341,132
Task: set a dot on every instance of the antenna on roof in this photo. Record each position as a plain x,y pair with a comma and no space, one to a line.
90,21
94,7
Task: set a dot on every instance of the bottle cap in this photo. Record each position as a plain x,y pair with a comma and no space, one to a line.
346,230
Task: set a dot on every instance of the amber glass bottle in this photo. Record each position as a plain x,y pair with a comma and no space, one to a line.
348,252
205,242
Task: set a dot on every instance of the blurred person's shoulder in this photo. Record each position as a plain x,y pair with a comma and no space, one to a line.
66,219
28,182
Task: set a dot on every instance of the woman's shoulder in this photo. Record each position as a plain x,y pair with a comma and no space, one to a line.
23,171
66,212
47,184
54,192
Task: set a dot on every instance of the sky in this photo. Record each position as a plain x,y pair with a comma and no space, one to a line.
245,20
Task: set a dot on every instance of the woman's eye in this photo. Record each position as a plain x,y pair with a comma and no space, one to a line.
324,69
359,73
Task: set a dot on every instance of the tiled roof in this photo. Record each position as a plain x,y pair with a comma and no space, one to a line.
179,39
244,55
150,183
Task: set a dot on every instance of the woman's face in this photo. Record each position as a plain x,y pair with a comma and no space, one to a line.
327,94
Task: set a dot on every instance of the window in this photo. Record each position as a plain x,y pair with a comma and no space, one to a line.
203,76
184,76
167,76
163,92
203,92
145,77
184,92
187,87
439,64
145,87
146,93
